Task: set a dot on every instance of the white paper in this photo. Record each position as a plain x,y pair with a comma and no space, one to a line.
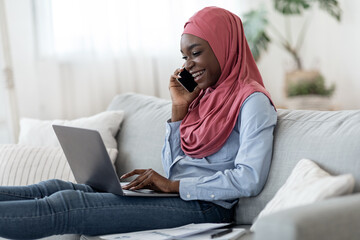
166,234
235,234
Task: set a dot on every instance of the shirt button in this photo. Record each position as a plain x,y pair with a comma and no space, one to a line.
188,196
212,196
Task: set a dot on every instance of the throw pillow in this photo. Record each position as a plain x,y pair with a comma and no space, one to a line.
35,132
306,184
24,165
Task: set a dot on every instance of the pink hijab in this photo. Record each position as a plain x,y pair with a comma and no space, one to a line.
213,114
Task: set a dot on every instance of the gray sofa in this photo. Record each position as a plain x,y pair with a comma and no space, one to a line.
331,139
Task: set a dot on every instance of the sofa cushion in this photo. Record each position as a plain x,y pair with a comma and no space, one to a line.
308,183
331,139
142,131
24,165
35,132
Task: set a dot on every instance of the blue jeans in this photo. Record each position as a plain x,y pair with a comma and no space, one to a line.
56,207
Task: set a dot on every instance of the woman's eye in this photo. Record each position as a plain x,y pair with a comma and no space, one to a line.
192,54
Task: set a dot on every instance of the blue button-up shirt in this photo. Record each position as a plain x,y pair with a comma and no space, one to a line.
239,169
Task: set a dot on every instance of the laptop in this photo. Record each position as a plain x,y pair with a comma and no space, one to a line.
90,162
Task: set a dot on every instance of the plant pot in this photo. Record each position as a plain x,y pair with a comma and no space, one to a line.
309,102
301,75
307,90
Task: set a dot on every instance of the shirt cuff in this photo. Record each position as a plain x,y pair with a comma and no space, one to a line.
187,189
173,130
174,125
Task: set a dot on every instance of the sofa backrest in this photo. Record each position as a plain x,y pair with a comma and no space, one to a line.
329,138
142,131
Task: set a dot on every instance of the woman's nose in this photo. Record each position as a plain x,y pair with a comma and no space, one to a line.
189,64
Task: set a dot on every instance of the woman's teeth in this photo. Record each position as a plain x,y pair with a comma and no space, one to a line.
198,74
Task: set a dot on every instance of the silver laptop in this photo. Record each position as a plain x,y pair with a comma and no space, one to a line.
90,162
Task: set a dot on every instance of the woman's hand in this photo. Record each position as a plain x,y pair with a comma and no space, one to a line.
150,179
180,97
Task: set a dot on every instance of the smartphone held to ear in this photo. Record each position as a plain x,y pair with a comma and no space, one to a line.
187,81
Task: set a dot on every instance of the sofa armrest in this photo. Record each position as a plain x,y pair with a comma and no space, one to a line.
333,219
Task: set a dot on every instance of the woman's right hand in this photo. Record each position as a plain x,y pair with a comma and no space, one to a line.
180,97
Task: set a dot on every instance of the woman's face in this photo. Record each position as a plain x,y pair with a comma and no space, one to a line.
200,60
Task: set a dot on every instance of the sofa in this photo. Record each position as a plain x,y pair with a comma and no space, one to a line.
329,138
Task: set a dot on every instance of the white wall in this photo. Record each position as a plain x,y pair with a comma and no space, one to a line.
4,133
331,47
31,78
4,130
8,130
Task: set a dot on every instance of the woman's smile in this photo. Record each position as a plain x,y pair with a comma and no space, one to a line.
197,75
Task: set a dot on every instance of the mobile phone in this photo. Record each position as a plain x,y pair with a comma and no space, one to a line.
187,81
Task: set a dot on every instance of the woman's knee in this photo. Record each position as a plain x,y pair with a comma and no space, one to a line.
52,182
52,186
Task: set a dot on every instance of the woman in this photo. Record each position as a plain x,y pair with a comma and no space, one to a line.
217,148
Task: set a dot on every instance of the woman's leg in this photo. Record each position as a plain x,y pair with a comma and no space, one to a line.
40,190
87,213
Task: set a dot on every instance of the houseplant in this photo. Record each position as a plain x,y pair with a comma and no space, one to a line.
257,25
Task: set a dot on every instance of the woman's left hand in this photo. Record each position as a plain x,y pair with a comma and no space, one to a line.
150,179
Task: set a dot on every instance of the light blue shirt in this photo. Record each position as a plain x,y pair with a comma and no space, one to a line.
239,169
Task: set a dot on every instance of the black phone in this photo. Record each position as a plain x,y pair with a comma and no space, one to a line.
187,80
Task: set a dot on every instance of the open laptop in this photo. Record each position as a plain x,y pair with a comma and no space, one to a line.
90,162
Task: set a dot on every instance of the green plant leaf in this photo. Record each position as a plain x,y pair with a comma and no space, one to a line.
288,7
255,23
332,7
315,86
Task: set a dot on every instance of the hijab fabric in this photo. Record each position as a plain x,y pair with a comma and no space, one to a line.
213,114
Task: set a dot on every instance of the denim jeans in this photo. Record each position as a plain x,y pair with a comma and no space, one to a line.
56,207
